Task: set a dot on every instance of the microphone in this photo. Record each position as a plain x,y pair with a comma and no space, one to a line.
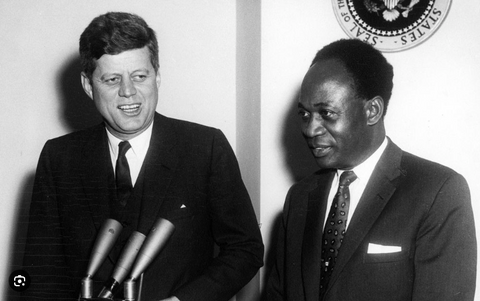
106,237
156,240
123,265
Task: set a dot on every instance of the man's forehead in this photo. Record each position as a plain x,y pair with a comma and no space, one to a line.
325,90
315,102
137,59
326,69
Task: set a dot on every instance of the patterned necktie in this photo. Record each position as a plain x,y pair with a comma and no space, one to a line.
123,179
335,228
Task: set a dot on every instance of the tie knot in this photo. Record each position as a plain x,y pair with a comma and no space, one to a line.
347,178
123,148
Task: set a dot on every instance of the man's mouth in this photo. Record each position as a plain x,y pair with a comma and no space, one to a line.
320,151
129,109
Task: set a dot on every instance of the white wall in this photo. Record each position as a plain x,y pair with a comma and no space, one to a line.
236,65
432,112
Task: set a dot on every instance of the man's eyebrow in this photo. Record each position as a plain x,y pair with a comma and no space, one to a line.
315,105
106,75
146,70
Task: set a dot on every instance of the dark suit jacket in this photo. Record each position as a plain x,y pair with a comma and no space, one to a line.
421,206
190,176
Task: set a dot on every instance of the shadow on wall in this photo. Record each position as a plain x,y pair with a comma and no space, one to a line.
77,112
298,158
300,163
270,254
19,231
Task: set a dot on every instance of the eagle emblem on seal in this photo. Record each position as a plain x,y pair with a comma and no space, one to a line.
390,10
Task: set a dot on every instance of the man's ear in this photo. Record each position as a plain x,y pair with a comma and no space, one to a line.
374,109
158,79
87,85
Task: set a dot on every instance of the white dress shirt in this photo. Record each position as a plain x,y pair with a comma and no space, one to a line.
135,155
363,172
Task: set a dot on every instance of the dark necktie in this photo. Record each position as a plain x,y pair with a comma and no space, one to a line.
122,171
335,228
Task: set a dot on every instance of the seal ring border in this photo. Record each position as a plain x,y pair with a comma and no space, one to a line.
392,34
383,49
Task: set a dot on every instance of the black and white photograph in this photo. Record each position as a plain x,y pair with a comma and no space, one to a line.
247,150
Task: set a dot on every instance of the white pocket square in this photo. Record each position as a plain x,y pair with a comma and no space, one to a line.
381,249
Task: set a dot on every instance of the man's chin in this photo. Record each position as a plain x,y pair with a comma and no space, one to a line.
324,163
127,132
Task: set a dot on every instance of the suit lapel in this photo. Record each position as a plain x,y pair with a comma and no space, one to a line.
312,237
378,192
158,167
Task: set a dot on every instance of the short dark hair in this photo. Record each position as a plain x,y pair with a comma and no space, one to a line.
114,33
372,75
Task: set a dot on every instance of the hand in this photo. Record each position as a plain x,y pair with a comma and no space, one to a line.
173,298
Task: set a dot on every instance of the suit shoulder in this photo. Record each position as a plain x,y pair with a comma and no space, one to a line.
191,131
425,177
305,182
188,126
310,182
77,137
425,168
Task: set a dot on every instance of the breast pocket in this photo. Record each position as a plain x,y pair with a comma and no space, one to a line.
178,210
180,213
385,257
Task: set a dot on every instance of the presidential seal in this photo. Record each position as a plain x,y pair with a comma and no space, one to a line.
391,25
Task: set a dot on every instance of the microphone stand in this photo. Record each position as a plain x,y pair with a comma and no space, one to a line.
156,240
106,237
154,243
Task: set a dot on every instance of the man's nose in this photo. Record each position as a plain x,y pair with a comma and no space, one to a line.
313,127
127,88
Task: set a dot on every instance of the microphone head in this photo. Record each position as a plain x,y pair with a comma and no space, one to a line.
106,237
123,265
156,240
128,255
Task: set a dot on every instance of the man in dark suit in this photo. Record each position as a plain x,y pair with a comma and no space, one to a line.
180,171
399,228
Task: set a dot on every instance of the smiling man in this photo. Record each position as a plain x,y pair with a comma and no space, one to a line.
375,222
124,88
136,167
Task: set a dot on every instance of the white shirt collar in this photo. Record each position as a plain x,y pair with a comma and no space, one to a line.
139,143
